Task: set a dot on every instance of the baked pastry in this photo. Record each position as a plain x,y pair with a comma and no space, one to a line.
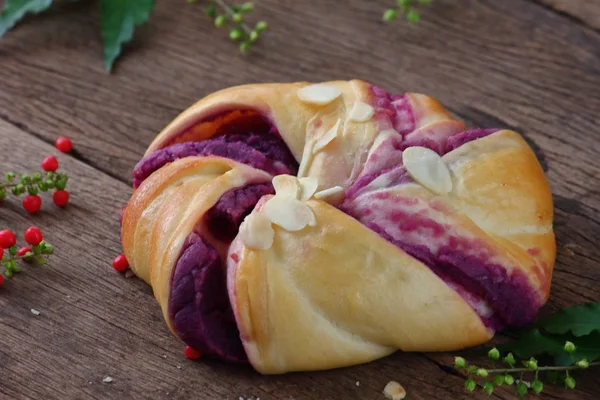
314,226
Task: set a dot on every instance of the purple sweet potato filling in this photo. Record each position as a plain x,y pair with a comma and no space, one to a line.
266,152
199,307
513,300
459,139
225,217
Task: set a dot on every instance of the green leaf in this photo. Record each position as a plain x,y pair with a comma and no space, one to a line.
581,320
15,10
119,19
534,343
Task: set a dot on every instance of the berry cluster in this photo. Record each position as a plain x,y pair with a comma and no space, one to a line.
34,253
406,8
489,379
233,17
37,182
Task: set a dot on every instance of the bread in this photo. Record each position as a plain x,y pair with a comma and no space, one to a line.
371,223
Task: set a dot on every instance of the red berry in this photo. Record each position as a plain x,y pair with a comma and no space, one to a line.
50,163
64,144
120,263
7,239
33,236
191,353
32,203
61,198
23,250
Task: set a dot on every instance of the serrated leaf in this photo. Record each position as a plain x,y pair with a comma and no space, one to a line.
119,19
534,343
581,320
15,10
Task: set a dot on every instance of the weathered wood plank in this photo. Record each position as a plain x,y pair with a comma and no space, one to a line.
96,323
587,11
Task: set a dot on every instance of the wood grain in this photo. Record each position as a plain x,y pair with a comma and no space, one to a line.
484,59
587,11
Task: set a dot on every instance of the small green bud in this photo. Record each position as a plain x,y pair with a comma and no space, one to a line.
261,26
583,363
51,174
488,388
570,382
211,12
236,34
521,389
537,386
25,179
390,15
43,186
48,249
509,379
532,364
12,250
499,380
470,385
237,17
413,16
33,190
460,362
220,21
10,176
482,373
245,47
510,360
36,177
50,184
570,347
247,7
494,354
253,36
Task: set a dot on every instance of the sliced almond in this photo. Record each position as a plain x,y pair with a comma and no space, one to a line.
361,112
327,137
290,214
319,93
428,169
309,186
287,185
256,232
307,158
394,391
333,195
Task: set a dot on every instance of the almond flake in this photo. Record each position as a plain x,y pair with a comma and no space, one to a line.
307,156
394,391
256,232
333,195
290,214
327,137
427,168
287,185
319,93
309,187
361,112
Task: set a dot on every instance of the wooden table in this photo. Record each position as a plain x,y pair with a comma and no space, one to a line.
533,66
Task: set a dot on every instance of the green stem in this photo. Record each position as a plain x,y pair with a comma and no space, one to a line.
570,368
231,13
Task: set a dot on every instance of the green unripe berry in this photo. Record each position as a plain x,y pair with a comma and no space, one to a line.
537,386
10,176
499,380
460,362
43,186
510,360
531,364
50,184
413,16
253,36
237,17
261,26
570,347
245,47
32,190
509,379
390,15
220,21
583,363
488,388
482,373
494,354
570,382
25,179
521,389
247,7
236,34
470,385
